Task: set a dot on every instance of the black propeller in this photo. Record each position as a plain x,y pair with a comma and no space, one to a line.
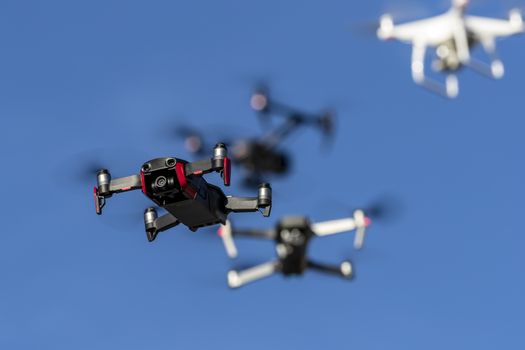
384,209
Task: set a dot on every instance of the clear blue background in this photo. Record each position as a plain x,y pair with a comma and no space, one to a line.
106,75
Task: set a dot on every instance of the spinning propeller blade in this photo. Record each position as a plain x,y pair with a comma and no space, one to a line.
225,232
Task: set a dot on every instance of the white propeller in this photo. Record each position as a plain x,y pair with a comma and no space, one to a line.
361,223
225,232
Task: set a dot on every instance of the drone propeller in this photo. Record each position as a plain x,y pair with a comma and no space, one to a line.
225,232
326,123
260,99
385,208
365,29
381,210
193,140
81,168
199,142
261,104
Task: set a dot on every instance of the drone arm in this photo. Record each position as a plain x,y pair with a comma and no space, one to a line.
344,269
124,184
450,89
106,187
219,163
483,27
358,222
251,204
237,279
263,234
226,232
154,225
275,137
332,227
246,205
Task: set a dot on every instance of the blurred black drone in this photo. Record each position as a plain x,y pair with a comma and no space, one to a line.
292,235
180,188
262,156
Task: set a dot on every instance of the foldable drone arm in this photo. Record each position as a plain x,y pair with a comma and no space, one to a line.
250,204
277,135
226,232
344,269
106,187
154,224
358,222
219,163
237,279
296,119
263,234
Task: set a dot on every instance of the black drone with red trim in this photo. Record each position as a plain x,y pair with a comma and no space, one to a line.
179,187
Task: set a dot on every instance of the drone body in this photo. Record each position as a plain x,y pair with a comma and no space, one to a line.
452,35
258,160
292,236
180,188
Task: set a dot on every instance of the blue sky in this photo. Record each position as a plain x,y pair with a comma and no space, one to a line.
107,75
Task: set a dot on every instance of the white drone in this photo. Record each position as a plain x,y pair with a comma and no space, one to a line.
452,34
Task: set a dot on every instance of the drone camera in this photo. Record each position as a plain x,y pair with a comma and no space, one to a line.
159,177
163,184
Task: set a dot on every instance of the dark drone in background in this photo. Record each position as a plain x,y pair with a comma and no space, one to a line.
179,187
261,157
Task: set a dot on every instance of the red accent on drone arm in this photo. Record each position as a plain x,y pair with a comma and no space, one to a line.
198,168
98,207
123,184
106,187
142,182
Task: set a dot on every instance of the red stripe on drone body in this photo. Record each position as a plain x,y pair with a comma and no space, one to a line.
143,183
181,177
